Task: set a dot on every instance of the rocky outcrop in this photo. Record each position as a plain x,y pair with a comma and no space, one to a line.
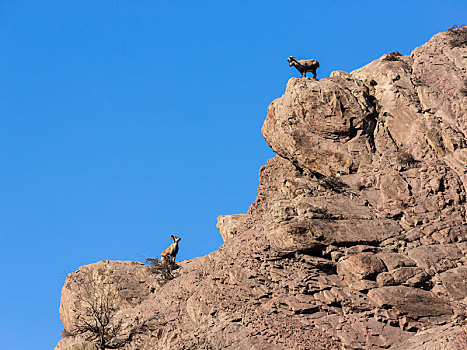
231,225
358,236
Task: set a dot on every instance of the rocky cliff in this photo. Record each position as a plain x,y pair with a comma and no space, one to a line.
357,239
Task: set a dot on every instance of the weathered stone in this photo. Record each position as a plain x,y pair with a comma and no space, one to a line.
312,235
395,260
410,276
360,266
436,258
83,346
230,225
385,279
443,337
413,302
452,284
309,126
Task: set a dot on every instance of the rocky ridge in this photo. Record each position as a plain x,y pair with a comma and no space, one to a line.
358,236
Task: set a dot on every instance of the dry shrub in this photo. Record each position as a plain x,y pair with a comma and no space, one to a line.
405,158
393,56
98,321
458,35
163,267
332,183
323,213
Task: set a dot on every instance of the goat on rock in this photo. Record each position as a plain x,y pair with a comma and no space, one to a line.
171,252
304,66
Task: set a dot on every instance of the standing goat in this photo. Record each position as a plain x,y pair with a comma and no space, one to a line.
304,66
171,252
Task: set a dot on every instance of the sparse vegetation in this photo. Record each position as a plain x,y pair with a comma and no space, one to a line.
332,183
323,213
392,56
98,319
163,267
405,158
458,34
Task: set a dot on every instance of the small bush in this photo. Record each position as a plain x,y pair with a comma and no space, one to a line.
393,56
416,81
332,183
98,321
458,34
162,267
323,213
406,159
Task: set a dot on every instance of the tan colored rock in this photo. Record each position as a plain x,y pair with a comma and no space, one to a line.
385,279
310,125
71,343
452,284
410,276
83,346
312,235
395,260
414,302
436,258
440,70
230,225
361,266
436,338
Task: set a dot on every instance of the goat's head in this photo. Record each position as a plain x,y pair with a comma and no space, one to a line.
174,238
291,59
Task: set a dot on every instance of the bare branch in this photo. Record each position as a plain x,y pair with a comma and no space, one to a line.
98,321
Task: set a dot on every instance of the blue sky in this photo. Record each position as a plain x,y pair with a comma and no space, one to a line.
123,122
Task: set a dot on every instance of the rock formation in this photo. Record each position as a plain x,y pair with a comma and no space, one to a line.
358,236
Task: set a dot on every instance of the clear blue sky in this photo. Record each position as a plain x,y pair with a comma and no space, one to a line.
123,122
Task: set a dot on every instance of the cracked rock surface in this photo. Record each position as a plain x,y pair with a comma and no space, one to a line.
357,238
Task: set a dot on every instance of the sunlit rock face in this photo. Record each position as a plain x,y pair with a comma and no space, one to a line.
357,238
